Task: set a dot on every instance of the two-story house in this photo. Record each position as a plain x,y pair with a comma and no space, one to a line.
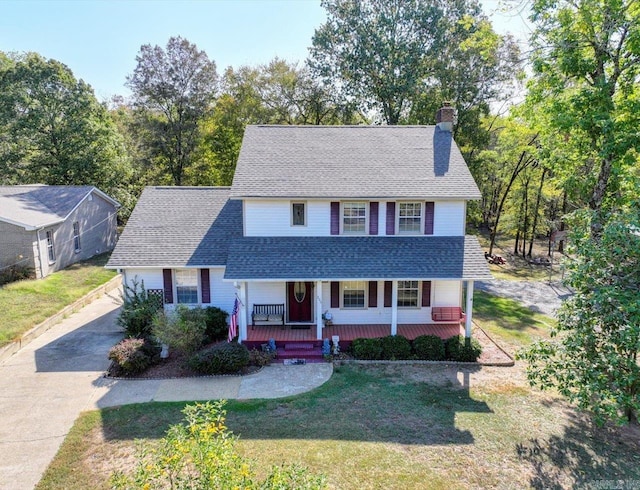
362,225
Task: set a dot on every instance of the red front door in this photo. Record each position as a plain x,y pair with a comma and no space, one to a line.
299,295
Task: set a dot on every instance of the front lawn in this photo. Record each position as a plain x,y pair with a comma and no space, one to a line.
386,427
24,304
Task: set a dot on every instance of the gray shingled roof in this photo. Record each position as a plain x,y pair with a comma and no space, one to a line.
178,227
351,162
34,206
370,258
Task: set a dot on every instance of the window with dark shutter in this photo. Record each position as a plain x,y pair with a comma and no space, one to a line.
335,295
168,286
205,283
428,218
373,218
335,218
391,218
373,294
388,285
426,293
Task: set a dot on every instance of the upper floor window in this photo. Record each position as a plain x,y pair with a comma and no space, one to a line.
409,217
408,292
187,285
353,294
298,214
50,247
354,218
76,236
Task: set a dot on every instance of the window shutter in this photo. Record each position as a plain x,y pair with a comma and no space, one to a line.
168,286
373,218
373,293
335,295
426,293
428,218
335,218
206,285
391,218
388,285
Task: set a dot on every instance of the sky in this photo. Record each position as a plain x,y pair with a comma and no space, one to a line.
99,39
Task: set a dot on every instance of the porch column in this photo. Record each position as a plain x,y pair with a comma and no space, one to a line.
319,322
468,310
394,307
242,312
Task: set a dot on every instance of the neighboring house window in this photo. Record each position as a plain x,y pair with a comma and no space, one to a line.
353,294
76,236
298,217
408,294
410,217
50,247
354,218
187,286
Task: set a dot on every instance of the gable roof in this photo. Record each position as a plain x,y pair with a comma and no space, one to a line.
37,205
351,162
179,227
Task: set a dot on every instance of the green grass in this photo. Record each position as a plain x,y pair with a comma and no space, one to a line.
382,427
24,304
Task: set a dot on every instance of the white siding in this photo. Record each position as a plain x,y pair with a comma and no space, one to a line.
273,218
446,293
152,277
266,293
223,294
449,218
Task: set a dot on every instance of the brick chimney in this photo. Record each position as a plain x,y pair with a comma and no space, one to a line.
444,117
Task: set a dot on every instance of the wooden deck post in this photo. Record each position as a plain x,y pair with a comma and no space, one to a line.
394,307
319,322
469,310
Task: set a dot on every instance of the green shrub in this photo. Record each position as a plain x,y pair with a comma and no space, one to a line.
224,358
457,349
138,310
369,349
260,358
216,321
132,356
182,329
16,273
429,348
395,347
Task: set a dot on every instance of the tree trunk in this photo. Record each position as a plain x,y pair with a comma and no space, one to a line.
562,225
535,213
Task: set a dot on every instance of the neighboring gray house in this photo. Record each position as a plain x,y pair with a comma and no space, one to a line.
48,227
364,225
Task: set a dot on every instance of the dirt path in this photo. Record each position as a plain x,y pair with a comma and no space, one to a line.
542,297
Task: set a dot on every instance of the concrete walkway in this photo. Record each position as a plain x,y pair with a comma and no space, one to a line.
49,382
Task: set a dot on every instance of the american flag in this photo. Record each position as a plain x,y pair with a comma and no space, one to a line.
233,326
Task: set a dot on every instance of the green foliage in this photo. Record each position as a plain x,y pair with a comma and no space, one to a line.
16,273
201,454
460,349
369,349
592,357
132,356
138,310
395,347
429,348
223,358
260,358
182,329
216,324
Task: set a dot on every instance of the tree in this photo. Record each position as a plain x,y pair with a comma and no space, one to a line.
592,356
54,131
173,90
586,96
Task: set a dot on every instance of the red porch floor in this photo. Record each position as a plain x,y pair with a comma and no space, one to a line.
349,332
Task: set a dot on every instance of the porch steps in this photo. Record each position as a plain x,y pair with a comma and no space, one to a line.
300,350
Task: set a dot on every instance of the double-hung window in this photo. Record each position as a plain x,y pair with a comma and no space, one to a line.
298,214
187,286
76,236
410,217
354,218
353,294
51,251
408,292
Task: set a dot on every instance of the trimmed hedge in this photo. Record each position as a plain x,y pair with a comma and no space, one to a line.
132,356
429,348
216,324
369,349
457,349
224,358
395,347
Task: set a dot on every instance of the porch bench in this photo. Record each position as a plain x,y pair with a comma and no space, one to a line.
272,314
447,314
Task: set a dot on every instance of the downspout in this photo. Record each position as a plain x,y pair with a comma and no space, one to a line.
39,253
